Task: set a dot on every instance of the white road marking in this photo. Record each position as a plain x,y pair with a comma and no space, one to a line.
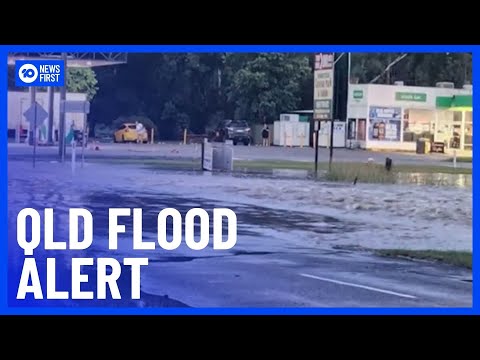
359,286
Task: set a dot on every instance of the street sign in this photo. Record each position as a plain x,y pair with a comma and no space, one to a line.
323,86
324,61
323,109
35,114
207,161
72,106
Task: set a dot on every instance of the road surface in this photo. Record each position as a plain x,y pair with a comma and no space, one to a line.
307,278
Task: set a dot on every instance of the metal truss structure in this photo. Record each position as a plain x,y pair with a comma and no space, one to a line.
80,59
73,60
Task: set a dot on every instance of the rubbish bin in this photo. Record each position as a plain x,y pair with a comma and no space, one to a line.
222,157
30,138
423,146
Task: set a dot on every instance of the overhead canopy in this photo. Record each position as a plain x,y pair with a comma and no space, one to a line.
455,102
80,59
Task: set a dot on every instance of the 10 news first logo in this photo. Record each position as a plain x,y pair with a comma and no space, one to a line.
39,73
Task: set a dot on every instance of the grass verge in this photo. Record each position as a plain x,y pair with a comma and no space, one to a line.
363,172
461,159
152,163
304,165
274,164
456,258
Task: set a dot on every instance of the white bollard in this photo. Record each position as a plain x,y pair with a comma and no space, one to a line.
74,156
454,159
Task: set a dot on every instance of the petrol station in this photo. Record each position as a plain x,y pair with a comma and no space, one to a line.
396,117
72,104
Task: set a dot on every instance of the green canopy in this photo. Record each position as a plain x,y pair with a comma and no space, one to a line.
455,102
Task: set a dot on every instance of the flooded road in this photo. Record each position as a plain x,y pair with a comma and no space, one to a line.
289,233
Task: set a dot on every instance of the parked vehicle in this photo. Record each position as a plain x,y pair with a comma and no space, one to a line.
127,132
236,130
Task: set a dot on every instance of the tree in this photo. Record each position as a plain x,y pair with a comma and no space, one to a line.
82,80
416,69
199,89
268,84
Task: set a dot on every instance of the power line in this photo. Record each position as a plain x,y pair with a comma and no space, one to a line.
389,66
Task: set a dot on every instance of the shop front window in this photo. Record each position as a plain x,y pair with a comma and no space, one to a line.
444,127
456,130
418,124
362,129
457,117
468,134
352,129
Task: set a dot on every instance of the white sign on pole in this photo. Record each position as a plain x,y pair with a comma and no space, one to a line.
74,156
323,86
324,61
207,161
73,106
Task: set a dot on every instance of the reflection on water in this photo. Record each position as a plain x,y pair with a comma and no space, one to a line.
433,179
403,178
269,173
459,180
292,173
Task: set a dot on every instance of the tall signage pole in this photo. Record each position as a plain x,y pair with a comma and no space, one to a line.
61,130
323,96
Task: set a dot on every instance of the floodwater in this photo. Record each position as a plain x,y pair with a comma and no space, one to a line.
459,180
399,216
430,179
281,211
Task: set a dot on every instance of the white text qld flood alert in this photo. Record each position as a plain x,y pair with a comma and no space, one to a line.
108,270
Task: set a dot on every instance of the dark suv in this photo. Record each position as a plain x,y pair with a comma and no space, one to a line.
235,130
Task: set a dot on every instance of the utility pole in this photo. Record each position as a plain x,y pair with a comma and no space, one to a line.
334,111
324,96
389,58
63,97
315,143
389,66
51,95
33,100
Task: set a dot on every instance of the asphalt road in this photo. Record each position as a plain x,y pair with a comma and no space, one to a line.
312,278
179,151
277,269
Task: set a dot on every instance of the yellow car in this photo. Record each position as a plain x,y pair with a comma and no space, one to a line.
127,132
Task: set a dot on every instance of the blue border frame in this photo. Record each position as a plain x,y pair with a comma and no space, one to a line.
4,309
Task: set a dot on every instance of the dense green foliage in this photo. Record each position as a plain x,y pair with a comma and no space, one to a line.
196,90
